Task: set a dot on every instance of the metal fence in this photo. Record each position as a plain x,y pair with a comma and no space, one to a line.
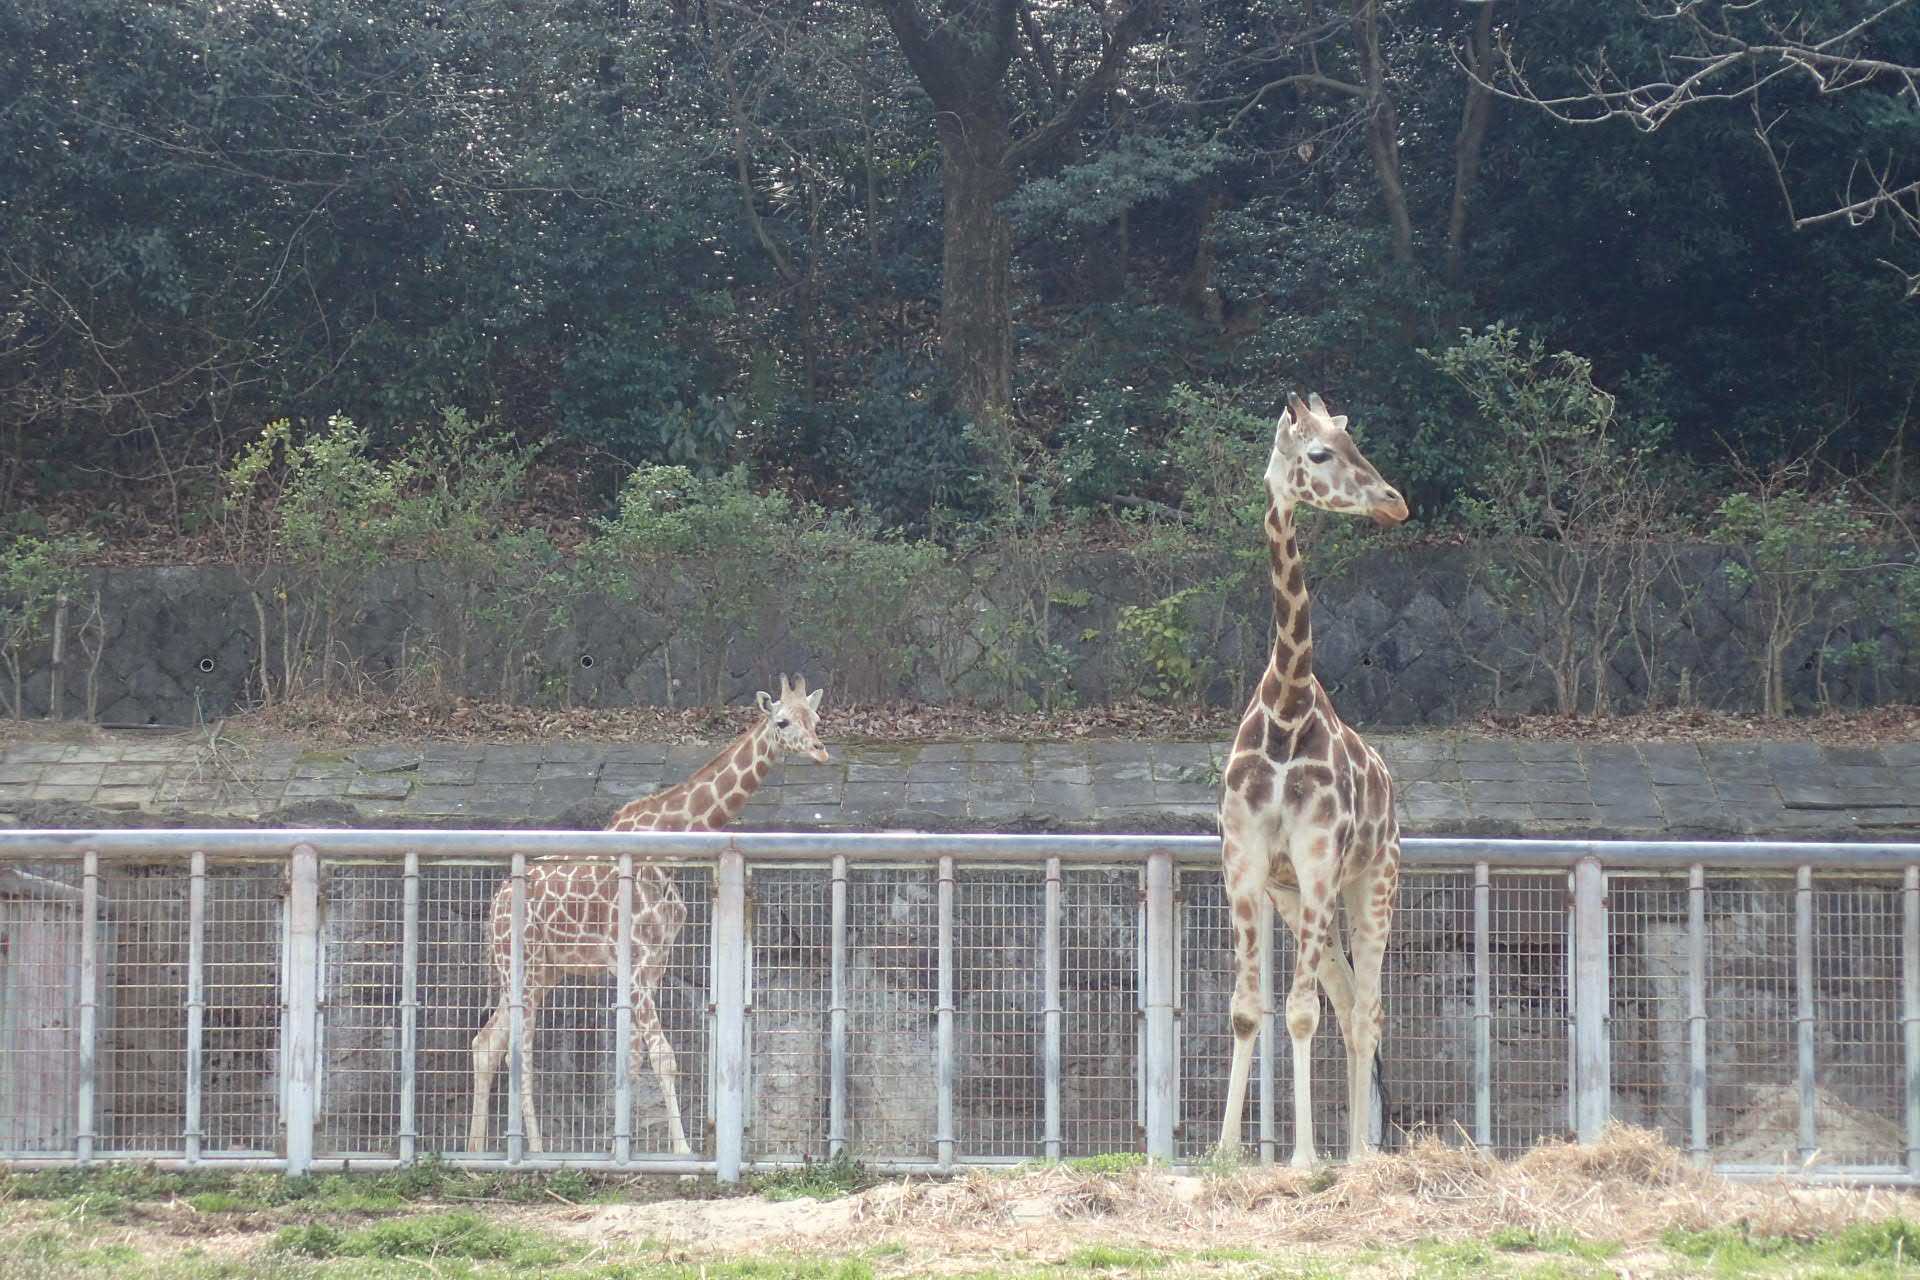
310,999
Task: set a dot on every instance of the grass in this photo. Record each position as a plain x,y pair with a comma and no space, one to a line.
125,1222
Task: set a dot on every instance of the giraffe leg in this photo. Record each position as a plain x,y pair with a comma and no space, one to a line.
489,1050
650,1034
1314,936
529,1121
1249,932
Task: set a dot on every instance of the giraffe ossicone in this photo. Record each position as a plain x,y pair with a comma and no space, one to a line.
1307,821
571,910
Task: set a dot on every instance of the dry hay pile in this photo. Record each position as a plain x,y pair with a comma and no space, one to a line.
1628,1189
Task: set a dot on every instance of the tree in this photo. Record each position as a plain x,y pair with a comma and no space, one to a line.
961,57
1778,62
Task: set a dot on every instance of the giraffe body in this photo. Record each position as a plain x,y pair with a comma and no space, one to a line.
572,910
1306,815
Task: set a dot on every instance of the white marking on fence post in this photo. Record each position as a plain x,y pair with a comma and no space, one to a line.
943,1135
1482,1005
1804,1011
1697,1012
623,1013
1592,1054
837,1013
1158,1060
729,1014
192,1132
1052,1011
89,1004
300,983
409,1135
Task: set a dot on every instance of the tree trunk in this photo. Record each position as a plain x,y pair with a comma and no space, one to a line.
976,324
1383,130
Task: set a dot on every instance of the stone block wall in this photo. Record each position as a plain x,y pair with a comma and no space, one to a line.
1403,636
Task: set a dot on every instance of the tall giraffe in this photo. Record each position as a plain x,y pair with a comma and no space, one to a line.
572,908
1306,817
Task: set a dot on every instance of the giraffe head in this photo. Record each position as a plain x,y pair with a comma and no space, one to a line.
1314,461
794,716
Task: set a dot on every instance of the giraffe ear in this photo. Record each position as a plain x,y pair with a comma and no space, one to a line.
813,699
764,700
1339,420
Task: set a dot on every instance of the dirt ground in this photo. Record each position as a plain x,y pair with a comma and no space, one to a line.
1626,1191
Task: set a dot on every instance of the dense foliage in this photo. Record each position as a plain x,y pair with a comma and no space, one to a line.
711,234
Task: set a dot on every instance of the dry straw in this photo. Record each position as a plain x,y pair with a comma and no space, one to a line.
1628,1189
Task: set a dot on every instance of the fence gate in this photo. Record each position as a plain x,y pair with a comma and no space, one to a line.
312,999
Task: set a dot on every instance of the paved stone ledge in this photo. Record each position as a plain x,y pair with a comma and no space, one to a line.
1447,785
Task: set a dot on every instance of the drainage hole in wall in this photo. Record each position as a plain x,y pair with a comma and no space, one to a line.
206,664
586,660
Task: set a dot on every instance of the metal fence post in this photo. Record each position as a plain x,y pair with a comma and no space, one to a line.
1697,1012
729,1014
89,1004
1158,1085
943,1134
837,1014
1482,1005
1592,1054
519,1025
191,1131
300,983
1910,1008
1805,1028
1051,1012
623,1063
409,1134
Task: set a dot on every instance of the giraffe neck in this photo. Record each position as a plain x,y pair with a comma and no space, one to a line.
1287,687
714,795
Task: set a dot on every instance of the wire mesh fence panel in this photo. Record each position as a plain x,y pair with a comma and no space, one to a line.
40,931
1428,1052
1206,990
1752,1097
1650,1019
1100,1002
892,975
1528,995
1859,1068
240,1069
999,980
791,1053
457,994
361,1011
141,1087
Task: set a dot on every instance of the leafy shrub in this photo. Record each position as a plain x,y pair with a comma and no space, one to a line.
1571,509
1792,546
35,573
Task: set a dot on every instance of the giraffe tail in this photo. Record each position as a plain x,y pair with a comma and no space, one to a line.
1383,1101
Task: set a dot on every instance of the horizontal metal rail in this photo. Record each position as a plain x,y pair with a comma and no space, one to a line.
335,845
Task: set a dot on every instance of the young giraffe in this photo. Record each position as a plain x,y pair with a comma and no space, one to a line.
1307,813
572,913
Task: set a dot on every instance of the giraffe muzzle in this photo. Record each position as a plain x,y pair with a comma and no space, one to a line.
1390,512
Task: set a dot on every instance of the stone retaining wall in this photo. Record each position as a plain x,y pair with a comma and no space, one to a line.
1403,636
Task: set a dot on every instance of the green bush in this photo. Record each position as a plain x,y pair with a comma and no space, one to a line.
1566,501
35,574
